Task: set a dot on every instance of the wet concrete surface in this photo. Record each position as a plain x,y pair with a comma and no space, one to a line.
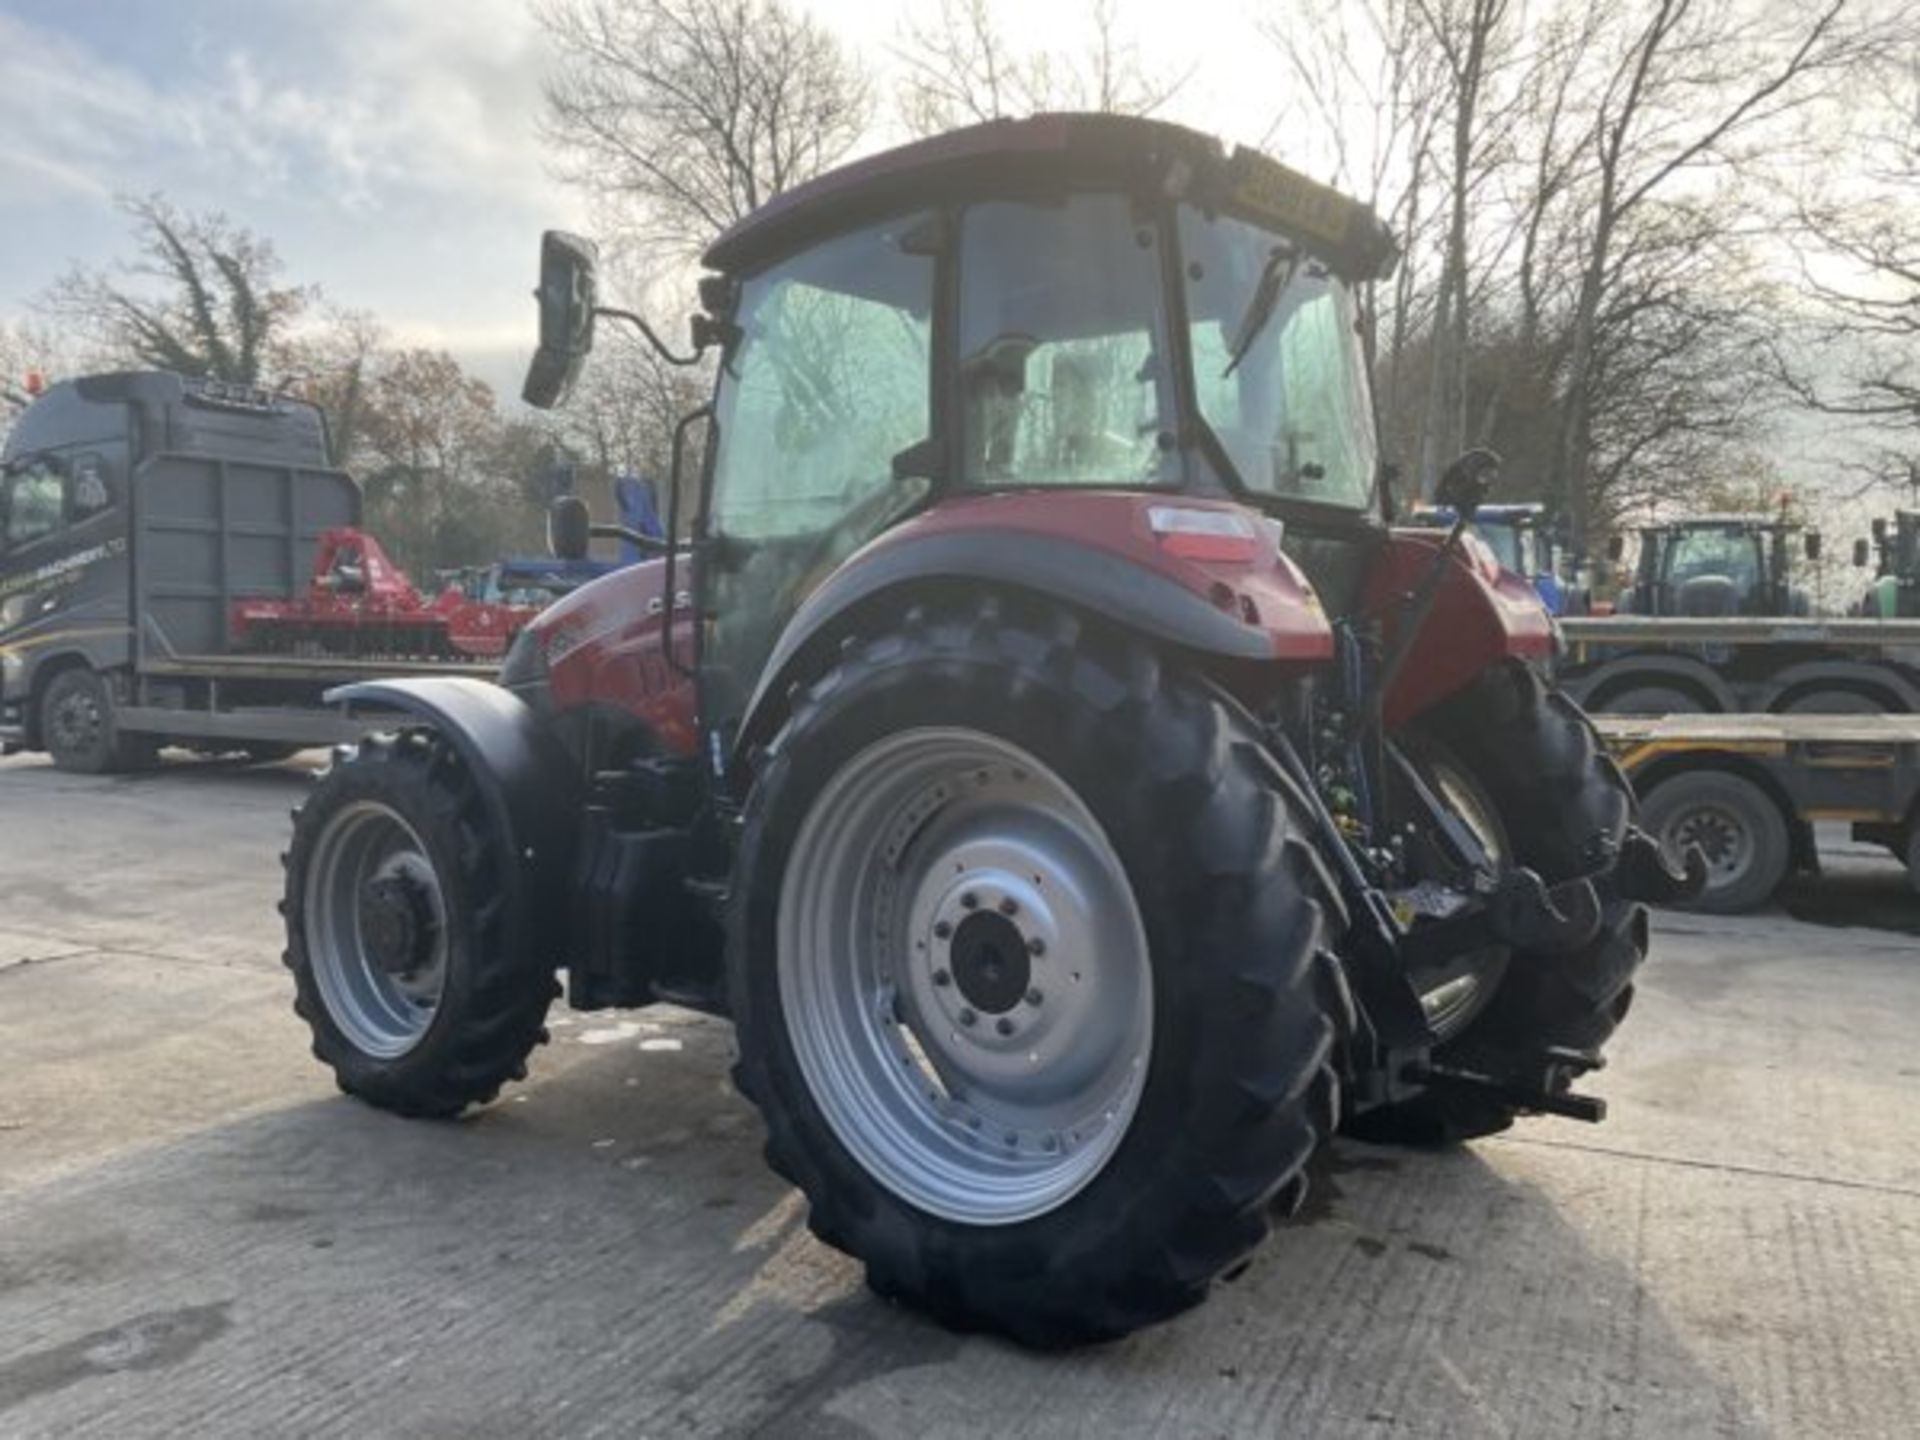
199,1236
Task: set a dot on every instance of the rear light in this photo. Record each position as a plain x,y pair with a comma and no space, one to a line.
1195,534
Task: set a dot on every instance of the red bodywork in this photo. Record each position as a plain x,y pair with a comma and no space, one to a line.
602,643
359,603
1481,615
602,647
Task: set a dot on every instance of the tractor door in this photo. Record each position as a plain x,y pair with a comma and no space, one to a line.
824,404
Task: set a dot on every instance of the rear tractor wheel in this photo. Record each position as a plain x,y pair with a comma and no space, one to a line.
1557,802
397,933
1030,967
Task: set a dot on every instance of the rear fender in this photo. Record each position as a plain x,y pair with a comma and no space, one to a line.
530,790
1093,552
1481,615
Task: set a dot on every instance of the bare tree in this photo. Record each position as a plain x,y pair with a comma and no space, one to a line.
960,68
679,117
204,297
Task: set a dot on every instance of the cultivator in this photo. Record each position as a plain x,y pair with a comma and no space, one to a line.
360,605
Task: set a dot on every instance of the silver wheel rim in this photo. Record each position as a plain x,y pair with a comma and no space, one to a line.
380,992
1450,1004
965,977
1723,837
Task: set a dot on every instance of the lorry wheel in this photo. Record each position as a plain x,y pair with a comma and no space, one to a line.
1560,802
1737,827
78,726
397,935
1653,700
1030,963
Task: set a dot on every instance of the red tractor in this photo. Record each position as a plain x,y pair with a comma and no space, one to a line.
361,605
1080,799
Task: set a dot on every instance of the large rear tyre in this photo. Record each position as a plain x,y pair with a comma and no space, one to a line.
397,934
1029,962
80,728
1563,807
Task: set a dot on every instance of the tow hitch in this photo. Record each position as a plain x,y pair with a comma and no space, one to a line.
1541,1086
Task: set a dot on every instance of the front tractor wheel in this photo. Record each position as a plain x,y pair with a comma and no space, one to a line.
397,933
1031,972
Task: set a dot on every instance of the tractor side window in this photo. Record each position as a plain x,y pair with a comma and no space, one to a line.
1063,371
36,498
832,378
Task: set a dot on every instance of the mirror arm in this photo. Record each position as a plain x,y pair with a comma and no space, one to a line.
659,345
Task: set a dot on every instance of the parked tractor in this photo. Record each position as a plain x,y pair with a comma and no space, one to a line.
1716,566
1080,801
1895,592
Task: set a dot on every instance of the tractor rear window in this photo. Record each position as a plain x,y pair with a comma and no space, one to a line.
1062,354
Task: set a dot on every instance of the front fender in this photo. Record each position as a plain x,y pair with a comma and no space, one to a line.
529,789
1481,615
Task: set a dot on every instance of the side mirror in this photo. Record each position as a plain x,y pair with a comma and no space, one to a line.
1813,544
1616,547
1879,529
1861,554
1464,484
568,294
568,527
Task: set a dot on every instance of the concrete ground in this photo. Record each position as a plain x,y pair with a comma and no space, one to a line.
198,1236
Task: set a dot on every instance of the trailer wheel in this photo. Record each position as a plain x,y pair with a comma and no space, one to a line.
78,726
1738,828
1561,802
1029,960
397,935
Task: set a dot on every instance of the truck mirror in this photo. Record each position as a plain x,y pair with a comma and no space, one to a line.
567,297
1813,544
568,524
1861,554
1616,547
1879,529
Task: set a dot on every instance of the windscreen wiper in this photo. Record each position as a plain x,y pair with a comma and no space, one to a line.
1275,276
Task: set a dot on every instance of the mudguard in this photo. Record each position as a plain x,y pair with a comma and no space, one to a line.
1227,594
530,789
1481,615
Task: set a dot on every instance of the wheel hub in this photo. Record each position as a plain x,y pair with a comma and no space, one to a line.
397,923
990,963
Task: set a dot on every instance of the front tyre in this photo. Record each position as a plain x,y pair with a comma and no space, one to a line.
79,724
1030,967
397,934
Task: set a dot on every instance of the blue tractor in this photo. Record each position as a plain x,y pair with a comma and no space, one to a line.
1523,543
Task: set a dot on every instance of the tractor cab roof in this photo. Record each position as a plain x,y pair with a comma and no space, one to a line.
1050,154
1722,522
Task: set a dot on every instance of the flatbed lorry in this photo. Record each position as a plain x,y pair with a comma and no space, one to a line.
1747,789
136,510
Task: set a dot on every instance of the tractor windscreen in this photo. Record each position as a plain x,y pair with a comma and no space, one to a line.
1277,362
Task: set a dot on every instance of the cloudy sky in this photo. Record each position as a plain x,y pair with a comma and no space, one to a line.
387,147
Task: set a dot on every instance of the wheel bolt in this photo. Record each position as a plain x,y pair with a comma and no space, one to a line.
967,1017
942,978
1009,906
1004,1026
942,930
1034,997
969,901
1036,946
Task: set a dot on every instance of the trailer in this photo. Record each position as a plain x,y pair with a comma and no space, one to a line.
137,511
1747,790
1666,665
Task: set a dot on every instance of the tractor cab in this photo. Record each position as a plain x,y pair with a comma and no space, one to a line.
1895,592
1719,565
1521,540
